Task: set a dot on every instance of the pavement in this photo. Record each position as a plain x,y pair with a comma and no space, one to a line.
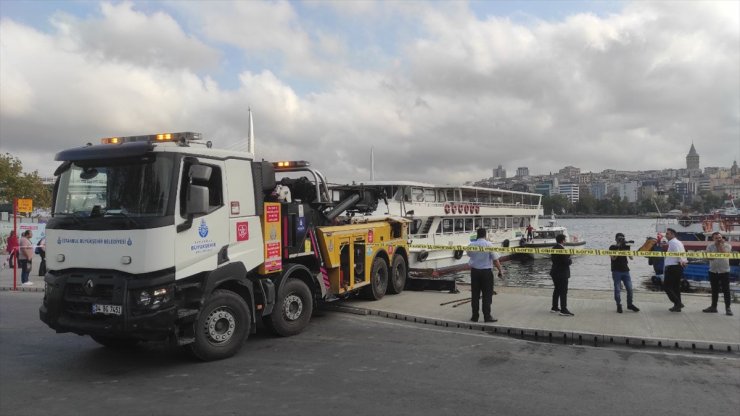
524,312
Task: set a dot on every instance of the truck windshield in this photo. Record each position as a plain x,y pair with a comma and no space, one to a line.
131,188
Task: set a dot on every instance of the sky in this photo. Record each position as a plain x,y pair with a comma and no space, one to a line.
442,91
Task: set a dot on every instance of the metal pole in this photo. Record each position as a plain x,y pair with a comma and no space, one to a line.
15,231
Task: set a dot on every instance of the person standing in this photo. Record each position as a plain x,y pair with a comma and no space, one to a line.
25,255
481,276
719,273
621,274
530,234
658,263
41,251
12,249
673,272
560,273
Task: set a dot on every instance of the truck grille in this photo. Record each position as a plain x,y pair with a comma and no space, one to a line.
83,290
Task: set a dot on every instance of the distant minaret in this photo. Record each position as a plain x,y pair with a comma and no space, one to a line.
692,159
250,135
372,163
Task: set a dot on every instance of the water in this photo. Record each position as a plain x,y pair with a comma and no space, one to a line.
587,272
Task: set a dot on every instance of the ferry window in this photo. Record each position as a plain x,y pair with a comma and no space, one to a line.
417,195
509,222
441,197
407,194
469,224
478,223
430,195
415,226
459,224
447,226
486,223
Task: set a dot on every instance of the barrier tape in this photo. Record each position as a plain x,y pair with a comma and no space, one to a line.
581,252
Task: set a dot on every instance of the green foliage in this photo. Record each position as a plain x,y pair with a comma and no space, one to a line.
558,204
14,183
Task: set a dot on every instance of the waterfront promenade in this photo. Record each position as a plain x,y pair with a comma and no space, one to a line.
525,313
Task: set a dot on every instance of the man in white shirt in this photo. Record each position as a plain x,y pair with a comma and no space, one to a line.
674,270
481,276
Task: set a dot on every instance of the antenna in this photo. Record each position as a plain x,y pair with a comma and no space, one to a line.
250,135
372,163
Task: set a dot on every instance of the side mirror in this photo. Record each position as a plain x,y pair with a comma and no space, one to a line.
197,200
200,173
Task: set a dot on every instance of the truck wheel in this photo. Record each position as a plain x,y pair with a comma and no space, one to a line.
222,326
293,309
398,274
115,343
378,280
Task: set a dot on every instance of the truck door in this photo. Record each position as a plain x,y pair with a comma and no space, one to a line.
202,237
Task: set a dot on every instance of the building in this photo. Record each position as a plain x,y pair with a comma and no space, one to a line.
522,171
570,190
598,190
692,159
686,188
570,172
499,172
629,190
547,187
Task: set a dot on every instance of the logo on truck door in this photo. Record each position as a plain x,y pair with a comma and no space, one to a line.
203,229
242,231
203,245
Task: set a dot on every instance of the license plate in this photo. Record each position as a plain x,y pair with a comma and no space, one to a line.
106,309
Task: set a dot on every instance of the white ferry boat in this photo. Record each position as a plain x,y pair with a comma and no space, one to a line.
450,215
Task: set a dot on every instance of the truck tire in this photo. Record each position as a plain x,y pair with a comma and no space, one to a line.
115,343
378,280
399,271
222,326
293,309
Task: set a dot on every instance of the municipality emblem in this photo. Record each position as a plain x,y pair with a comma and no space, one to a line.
203,229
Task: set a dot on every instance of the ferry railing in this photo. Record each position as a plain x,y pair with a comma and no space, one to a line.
480,204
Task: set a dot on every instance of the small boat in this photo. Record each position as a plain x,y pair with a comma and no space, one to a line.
545,237
695,231
696,272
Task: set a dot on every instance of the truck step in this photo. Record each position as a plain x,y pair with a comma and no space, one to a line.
184,313
185,341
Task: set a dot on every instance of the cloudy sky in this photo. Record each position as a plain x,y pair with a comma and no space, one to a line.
443,91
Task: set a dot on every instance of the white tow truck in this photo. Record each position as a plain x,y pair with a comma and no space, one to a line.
164,238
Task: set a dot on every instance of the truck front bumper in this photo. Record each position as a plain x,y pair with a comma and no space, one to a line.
70,297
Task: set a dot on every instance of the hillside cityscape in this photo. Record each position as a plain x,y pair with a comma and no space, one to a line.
690,189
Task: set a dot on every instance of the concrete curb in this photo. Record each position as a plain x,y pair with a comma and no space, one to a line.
34,288
555,337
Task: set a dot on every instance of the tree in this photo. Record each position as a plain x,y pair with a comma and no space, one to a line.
586,204
557,204
14,183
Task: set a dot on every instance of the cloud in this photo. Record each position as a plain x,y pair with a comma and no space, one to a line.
454,96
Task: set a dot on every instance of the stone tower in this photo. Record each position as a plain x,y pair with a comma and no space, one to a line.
692,159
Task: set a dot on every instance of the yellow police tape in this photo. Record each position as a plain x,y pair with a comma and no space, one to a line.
581,252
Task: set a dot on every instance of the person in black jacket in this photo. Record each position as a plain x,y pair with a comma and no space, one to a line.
560,273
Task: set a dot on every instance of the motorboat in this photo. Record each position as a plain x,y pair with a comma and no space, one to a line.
544,237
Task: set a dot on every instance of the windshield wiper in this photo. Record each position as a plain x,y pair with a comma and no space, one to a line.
122,214
72,215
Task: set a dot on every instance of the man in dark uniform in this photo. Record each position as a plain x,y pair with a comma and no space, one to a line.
560,273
